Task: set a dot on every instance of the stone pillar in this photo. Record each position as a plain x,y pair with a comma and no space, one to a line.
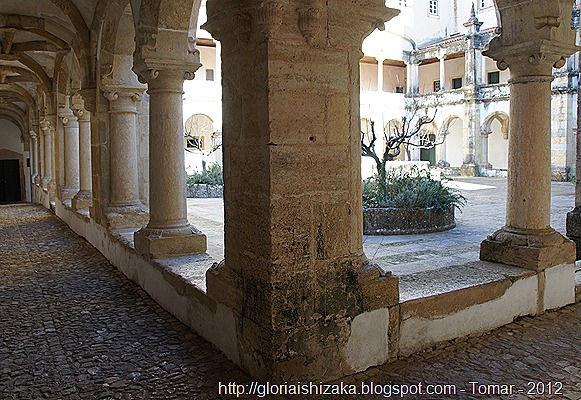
380,61
472,66
294,277
484,150
59,155
218,76
540,43
84,197
442,59
33,157
125,208
48,182
41,165
574,216
168,232
71,153
413,76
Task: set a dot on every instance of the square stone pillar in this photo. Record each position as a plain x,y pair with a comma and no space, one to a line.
536,37
294,273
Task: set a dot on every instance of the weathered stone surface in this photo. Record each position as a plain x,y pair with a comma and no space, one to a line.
528,255
156,245
293,183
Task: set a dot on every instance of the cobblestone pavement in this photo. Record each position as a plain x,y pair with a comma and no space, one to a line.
73,327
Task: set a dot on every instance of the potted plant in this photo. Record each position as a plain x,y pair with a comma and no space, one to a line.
407,201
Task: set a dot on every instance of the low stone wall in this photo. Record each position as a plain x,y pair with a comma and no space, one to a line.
403,221
205,191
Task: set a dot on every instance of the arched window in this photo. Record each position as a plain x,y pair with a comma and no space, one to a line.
198,132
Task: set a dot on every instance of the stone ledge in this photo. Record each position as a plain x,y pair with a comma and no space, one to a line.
432,309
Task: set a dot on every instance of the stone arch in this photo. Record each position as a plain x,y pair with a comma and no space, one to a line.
451,150
162,36
117,43
495,132
502,118
198,128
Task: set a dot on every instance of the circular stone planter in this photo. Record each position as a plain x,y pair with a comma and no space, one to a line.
404,221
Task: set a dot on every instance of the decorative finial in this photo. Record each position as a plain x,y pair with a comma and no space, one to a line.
473,12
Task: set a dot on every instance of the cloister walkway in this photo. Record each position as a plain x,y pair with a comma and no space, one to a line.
73,327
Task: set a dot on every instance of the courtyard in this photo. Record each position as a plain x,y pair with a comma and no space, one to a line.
426,264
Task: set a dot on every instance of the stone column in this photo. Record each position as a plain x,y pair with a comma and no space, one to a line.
540,43
59,155
574,216
472,59
380,61
41,166
413,76
442,59
84,198
484,150
125,209
71,153
48,183
168,232
33,157
294,277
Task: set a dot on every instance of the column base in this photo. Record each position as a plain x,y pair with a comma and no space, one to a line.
126,217
82,201
163,243
574,229
531,249
469,170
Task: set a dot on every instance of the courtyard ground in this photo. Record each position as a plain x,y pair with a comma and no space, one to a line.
73,327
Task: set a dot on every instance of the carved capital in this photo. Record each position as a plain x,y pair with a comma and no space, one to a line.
310,22
123,99
268,16
46,127
531,58
89,99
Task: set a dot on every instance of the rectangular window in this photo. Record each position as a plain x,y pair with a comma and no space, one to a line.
433,7
485,3
456,83
403,3
399,89
494,78
437,86
209,74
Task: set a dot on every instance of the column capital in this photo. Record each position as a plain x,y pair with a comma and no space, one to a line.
46,127
79,108
123,99
33,135
532,58
66,114
242,22
89,99
535,35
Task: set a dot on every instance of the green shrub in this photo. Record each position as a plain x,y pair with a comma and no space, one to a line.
210,175
413,188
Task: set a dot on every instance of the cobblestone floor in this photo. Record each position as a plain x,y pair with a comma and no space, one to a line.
73,327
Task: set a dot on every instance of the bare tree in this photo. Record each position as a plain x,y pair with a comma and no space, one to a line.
409,133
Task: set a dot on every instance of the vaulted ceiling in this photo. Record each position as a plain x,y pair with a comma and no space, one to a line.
41,42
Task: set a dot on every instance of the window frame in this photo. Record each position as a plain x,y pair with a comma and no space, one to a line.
433,8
